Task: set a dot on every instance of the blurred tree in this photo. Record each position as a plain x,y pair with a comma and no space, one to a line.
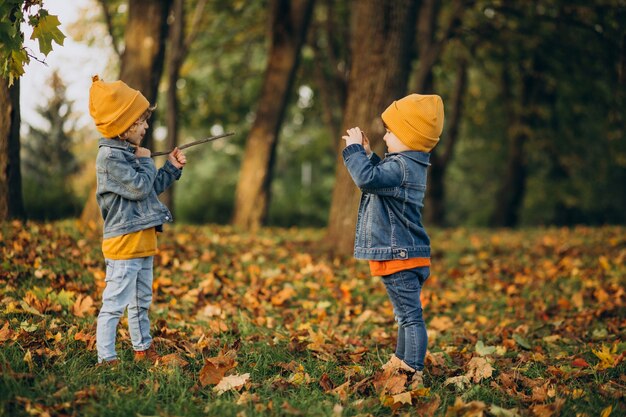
438,24
380,45
289,25
48,161
13,57
180,40
141,68
330,59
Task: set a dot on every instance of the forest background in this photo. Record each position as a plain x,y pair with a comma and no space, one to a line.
534,95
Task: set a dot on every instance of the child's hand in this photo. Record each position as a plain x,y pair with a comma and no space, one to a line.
366,144
177,158
354,136
142,152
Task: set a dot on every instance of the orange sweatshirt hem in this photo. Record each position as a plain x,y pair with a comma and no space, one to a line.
383,268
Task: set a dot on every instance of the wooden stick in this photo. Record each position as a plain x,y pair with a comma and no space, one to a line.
197,142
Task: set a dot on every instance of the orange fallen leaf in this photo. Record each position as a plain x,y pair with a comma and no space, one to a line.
580,363
215,368
82,306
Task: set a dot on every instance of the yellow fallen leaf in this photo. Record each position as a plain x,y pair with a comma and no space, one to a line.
607,357
607,411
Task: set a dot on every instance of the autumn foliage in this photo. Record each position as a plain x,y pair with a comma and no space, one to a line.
520,323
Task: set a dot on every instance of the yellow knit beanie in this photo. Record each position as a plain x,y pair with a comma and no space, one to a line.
115,106
417,120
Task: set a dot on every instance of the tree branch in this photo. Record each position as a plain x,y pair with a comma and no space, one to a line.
194,143
109,22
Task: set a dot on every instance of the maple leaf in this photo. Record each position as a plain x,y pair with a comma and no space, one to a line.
441,323
83,306
284,295
458,381
215,368
232,382
5,333
389,382
428,409
46,32
548,410
479,369
173,359
325,382
462,409
607,356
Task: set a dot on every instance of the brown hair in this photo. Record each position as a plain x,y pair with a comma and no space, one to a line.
144,116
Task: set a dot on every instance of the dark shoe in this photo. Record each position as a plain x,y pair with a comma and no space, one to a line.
149,354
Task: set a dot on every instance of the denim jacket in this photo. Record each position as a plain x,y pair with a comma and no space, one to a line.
389,223
128,187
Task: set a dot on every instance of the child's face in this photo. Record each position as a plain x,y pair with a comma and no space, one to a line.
137,131
393,143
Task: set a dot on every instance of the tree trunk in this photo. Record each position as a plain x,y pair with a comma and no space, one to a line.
512,189
141,69
289,25
381,40
11,204
176,58
435,208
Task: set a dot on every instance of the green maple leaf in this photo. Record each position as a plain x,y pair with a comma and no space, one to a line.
46,31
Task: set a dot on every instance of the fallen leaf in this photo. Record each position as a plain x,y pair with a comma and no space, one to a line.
231,382
479,369
215,368
548,410
83,306
326,383
503,412
173,359
580,363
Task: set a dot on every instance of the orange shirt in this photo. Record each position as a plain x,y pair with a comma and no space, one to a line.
383,268
132,245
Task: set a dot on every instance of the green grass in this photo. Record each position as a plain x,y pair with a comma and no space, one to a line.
561,291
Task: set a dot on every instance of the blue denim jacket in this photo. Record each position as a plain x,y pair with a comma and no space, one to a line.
389,224
128,187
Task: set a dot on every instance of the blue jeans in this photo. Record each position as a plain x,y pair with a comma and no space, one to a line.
404,290
128,284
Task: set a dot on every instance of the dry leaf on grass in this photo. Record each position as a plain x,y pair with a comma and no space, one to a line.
232,382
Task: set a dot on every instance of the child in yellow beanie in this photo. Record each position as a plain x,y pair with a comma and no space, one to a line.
389,232
127,187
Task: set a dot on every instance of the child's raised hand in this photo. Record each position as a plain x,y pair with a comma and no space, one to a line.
177,158
354,136
366,144
141,152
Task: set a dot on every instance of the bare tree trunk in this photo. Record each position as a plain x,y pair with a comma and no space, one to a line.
435,208
328,38
290,20
177,52
381,41
512,189
176,58
11,204
430,49
142,66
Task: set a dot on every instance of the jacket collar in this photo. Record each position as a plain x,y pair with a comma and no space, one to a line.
115,143
417,156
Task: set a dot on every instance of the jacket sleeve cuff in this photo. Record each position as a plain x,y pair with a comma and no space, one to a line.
351,150
171,169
